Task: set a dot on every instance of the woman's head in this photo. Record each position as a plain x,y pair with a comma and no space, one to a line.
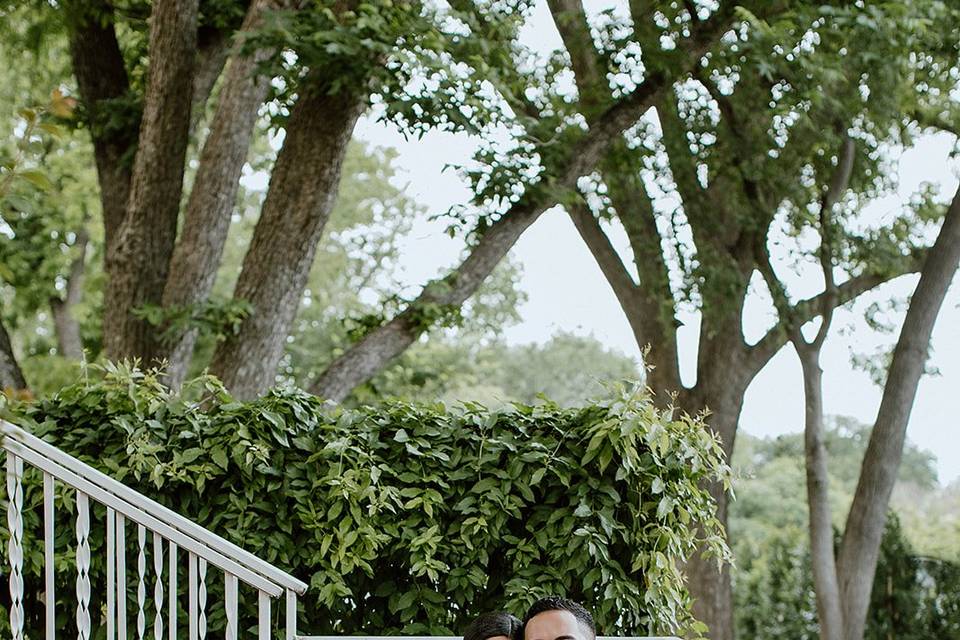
496,625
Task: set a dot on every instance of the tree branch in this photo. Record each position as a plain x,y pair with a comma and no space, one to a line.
610,263
368,356
571,22
625,112
839,182
809,308
656,305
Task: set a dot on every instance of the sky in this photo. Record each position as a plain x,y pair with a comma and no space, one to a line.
567,292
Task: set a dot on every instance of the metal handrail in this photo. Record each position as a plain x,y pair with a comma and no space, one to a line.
215,549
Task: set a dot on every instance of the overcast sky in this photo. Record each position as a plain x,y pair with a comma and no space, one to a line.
567,292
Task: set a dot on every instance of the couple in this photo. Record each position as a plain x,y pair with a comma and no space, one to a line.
551,618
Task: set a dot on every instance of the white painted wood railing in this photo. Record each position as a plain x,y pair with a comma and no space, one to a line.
156,528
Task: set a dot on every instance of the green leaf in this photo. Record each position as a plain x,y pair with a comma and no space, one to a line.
37,178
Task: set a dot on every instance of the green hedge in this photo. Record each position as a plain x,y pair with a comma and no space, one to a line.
404,518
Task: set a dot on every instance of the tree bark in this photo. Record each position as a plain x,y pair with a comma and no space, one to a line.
68,329
196,258
11,377
860,548
102,80
303,188
213,49
363,360
137,269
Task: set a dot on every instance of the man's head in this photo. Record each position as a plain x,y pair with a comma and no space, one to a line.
555,618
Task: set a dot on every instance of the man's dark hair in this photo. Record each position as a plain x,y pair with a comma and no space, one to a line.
495,623
556,603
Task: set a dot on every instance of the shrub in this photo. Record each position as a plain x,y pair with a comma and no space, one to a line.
405,518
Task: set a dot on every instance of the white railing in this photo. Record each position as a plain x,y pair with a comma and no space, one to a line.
153,522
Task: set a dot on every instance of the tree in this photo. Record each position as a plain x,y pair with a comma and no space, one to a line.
315,67
155,273
564,138
745,144
843,580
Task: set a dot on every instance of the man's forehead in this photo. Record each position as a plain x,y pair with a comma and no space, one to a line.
557,624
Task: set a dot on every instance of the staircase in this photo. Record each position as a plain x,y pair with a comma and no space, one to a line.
207,556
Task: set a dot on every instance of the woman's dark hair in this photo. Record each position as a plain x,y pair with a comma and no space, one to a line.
490,625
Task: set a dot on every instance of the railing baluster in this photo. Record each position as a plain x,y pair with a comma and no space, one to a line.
49,592
121,578
83,566
202,600
264,617
291,615
230,604
15,546
141,583
194,616
111,573
158,586
172,615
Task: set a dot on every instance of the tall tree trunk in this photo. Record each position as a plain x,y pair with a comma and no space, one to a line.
196,258
11,377
724,371
363,360
102,79
68,329
711,589
820,522
823,558
137,269
860,548
302,192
